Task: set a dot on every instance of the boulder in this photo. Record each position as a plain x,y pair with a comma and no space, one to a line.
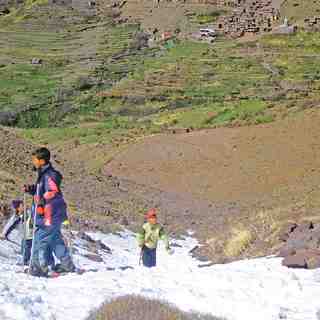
285,252
8,118
124,221
302,247
101,246
140,41
135,99
301,237
316,237
85,83
286,231
295,261
93,257
308,253
299,241
304,227
36,61
84,236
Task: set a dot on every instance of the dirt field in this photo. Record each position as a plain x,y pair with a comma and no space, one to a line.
273,164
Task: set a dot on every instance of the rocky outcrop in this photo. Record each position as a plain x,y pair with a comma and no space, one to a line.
302,245
6,5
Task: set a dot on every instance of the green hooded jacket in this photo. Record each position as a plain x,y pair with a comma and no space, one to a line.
150,234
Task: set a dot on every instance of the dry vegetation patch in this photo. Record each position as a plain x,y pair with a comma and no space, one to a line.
139,308
239,241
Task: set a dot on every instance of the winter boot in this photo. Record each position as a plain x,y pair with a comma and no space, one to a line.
66,265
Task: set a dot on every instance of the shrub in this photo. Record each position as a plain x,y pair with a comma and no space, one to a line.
238,242
140,308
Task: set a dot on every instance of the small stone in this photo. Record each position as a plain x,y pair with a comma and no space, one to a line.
36,61
124,221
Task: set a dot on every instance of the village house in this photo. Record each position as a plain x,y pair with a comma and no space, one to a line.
312,23
248,18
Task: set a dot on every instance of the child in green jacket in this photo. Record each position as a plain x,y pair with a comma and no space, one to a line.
148,237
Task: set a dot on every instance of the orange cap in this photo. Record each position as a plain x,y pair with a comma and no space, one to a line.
151,213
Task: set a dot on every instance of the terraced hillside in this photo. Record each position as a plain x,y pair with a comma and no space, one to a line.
93,70
68,47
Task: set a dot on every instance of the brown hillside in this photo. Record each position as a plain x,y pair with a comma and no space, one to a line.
14,163
258,177
278,162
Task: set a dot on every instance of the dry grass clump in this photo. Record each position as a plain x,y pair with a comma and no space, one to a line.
140,308
238,242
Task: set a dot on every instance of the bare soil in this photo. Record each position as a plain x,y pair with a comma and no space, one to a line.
270,164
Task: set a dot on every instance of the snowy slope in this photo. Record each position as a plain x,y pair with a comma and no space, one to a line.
259,289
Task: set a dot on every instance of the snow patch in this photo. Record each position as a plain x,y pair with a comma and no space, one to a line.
249,289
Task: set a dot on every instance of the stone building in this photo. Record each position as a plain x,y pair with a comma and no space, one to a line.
249,17
312,23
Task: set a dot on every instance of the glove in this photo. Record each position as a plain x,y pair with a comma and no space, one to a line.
29,188
39,201
40,210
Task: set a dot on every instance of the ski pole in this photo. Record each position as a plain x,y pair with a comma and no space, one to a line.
34,228
68,237
141,254
24,225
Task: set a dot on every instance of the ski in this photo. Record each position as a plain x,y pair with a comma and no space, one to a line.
55,274
80,272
